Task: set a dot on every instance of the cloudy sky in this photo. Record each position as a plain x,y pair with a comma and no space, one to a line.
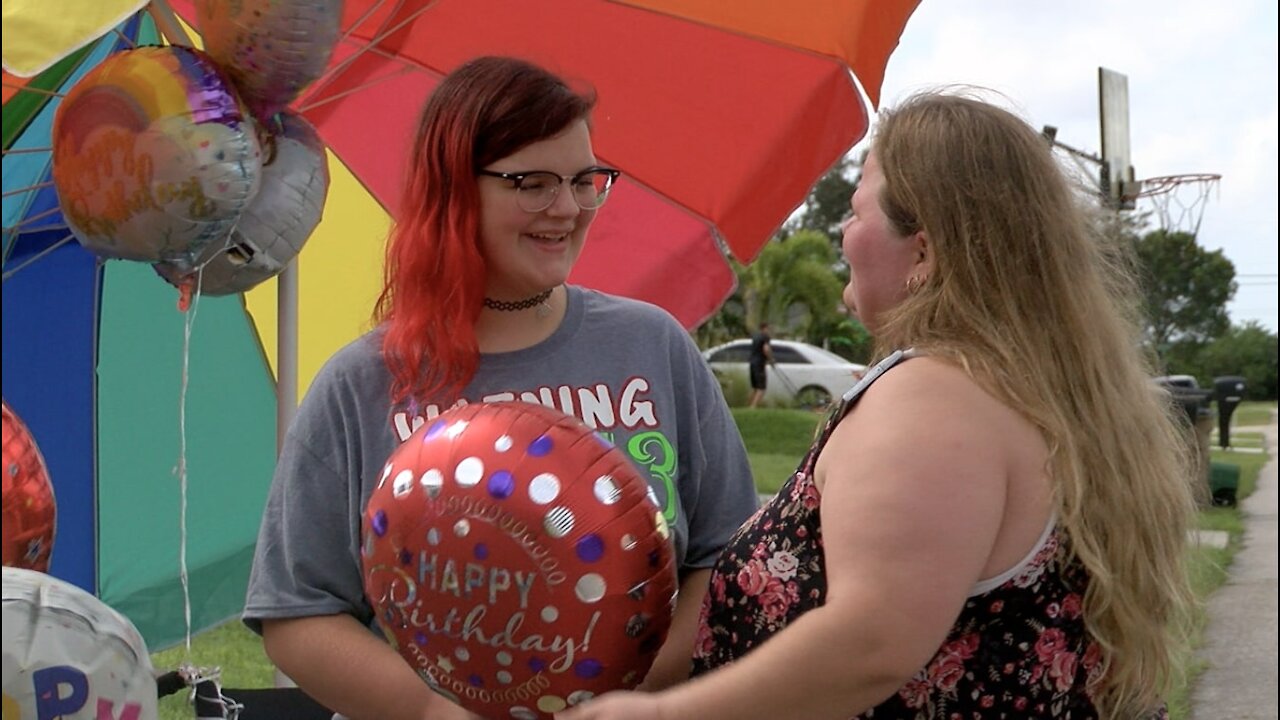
1202,97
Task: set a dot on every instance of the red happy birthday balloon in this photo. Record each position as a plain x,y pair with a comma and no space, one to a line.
29,510
517,562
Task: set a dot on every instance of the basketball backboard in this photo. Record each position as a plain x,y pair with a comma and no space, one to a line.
1117,178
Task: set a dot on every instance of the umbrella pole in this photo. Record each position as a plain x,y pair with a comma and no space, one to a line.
286,350
286,372
167,22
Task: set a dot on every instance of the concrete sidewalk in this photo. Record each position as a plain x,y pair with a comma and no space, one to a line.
1240,642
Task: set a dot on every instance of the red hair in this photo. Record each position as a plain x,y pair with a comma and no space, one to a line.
434,274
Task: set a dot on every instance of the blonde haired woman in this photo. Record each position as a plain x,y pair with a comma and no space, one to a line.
993,523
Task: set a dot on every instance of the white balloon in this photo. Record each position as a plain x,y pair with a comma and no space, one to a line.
68,655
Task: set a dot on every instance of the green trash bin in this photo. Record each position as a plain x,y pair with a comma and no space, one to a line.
1224,482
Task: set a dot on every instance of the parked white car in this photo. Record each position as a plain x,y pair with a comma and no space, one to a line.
802,374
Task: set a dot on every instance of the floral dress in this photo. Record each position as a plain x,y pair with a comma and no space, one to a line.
1017,650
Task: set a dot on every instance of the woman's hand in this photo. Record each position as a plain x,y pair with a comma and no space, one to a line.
617,706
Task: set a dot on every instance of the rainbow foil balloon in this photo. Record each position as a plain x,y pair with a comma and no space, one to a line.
154,157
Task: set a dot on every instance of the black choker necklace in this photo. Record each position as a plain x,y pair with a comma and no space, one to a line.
525,304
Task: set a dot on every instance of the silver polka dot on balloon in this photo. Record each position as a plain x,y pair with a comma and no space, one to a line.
456,429
550,614
629,542
580,696
462,527
558,522
653,496
590,588
433,537
504,658
469,472
402,484
504,677
432,481
607,490
462,654
544,488
502,444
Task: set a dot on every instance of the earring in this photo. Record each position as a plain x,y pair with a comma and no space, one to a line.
913,284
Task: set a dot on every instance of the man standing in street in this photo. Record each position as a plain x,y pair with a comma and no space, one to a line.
761,353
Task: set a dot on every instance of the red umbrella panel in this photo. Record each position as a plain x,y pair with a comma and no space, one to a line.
720,118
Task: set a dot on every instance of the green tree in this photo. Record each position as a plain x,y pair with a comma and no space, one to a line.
729,322
1186,289
846,338
828,202
796,282
1249,351
793,284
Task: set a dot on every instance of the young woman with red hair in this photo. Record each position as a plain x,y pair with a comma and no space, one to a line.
502,189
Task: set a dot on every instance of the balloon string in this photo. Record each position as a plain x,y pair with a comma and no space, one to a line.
191,296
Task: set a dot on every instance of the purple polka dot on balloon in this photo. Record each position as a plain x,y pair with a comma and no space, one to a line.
654,557
501,485
406,557
590,548
380,523
435,430
588,669
536,664
540,447
420,638
481,551
476,681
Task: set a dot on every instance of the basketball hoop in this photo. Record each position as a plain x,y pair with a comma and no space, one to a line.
1178,200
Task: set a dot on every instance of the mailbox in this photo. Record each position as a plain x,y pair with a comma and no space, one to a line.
1228,391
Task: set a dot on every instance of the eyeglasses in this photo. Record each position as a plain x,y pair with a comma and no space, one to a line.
537,190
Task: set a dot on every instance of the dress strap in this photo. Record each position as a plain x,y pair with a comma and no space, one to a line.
850,398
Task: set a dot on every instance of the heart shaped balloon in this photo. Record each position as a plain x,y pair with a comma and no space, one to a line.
30,513
517,561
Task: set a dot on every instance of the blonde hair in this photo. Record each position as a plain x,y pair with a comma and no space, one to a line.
1041,310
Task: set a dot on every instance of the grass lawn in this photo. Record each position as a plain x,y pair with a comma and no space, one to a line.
1253,413
231,647
776,440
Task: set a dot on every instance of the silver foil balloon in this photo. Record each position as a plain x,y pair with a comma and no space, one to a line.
271,48
154,157
273,229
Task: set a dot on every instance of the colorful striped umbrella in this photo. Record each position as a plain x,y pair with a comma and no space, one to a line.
721,115
93,361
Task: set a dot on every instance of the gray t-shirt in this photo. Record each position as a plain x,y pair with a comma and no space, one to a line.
625,368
